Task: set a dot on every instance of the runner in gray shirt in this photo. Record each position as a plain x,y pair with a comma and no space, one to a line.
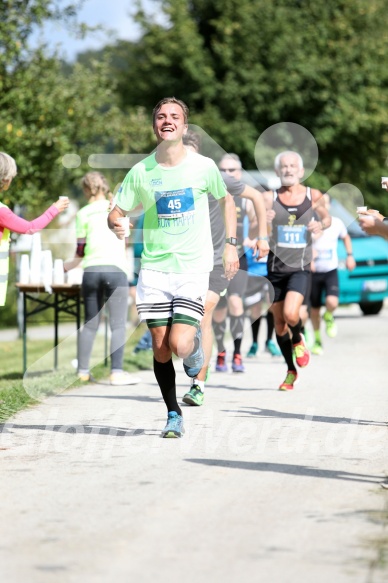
217,282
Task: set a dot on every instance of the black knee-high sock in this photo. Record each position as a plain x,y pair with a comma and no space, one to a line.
296,330
255,327
219,333
165,375
285,346
270,325
237,331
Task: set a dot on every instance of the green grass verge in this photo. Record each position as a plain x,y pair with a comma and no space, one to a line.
17,393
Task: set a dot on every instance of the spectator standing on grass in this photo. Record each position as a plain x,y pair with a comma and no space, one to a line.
105,279
9,222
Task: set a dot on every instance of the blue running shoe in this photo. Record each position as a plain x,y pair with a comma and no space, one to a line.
174,426
272,348
145,343
193,363
253,350
237,363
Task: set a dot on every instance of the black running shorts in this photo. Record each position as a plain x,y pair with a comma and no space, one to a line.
217,280
285,282
323,284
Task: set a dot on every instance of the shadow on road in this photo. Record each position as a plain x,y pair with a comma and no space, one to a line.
294,470
229,388
79,429
141,398
271,413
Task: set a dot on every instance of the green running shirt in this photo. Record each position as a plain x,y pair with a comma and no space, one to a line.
177,236
102,246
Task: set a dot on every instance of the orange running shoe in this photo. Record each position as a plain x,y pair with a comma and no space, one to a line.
221,365
302,353
289,381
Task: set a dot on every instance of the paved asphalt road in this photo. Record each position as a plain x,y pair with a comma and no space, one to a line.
265,486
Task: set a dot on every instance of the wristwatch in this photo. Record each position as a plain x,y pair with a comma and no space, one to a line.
231,241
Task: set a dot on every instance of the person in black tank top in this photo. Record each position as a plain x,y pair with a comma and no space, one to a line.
290,210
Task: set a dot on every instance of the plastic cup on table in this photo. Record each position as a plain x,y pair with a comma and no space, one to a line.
24,269
47,269
58,272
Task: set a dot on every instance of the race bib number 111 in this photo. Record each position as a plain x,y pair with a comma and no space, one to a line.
292,237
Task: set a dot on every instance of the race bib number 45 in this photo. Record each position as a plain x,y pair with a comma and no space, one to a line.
172,204
294,237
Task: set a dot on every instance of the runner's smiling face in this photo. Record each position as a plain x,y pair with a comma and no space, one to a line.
289,171
170,123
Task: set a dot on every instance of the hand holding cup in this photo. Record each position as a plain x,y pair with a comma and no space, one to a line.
121,227
62,203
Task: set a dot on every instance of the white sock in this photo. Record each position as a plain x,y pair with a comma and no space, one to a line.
200,384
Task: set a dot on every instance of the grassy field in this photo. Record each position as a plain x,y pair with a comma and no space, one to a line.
18,391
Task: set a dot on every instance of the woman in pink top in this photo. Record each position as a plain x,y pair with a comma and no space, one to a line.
11,222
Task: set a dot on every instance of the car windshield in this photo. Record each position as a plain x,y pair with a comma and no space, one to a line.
337,210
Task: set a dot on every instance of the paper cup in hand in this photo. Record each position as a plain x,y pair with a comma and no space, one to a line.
361,211
384,182
63,198
125,223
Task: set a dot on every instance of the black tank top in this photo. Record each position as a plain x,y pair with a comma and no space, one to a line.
290,240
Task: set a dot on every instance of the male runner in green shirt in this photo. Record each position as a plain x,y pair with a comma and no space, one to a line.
172,185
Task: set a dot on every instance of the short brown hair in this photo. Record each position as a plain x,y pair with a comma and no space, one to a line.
165,100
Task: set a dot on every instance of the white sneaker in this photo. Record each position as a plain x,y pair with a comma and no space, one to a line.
123,378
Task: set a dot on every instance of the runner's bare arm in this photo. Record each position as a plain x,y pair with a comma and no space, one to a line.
114,224
262,247
318,203
230,256
350,262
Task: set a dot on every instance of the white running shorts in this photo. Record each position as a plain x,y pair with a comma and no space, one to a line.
160,295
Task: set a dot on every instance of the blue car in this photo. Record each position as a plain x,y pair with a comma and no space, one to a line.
367,284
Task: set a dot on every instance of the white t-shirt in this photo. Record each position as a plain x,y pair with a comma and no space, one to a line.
325,247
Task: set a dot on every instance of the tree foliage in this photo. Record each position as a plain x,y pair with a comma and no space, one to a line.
48,110
243,65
